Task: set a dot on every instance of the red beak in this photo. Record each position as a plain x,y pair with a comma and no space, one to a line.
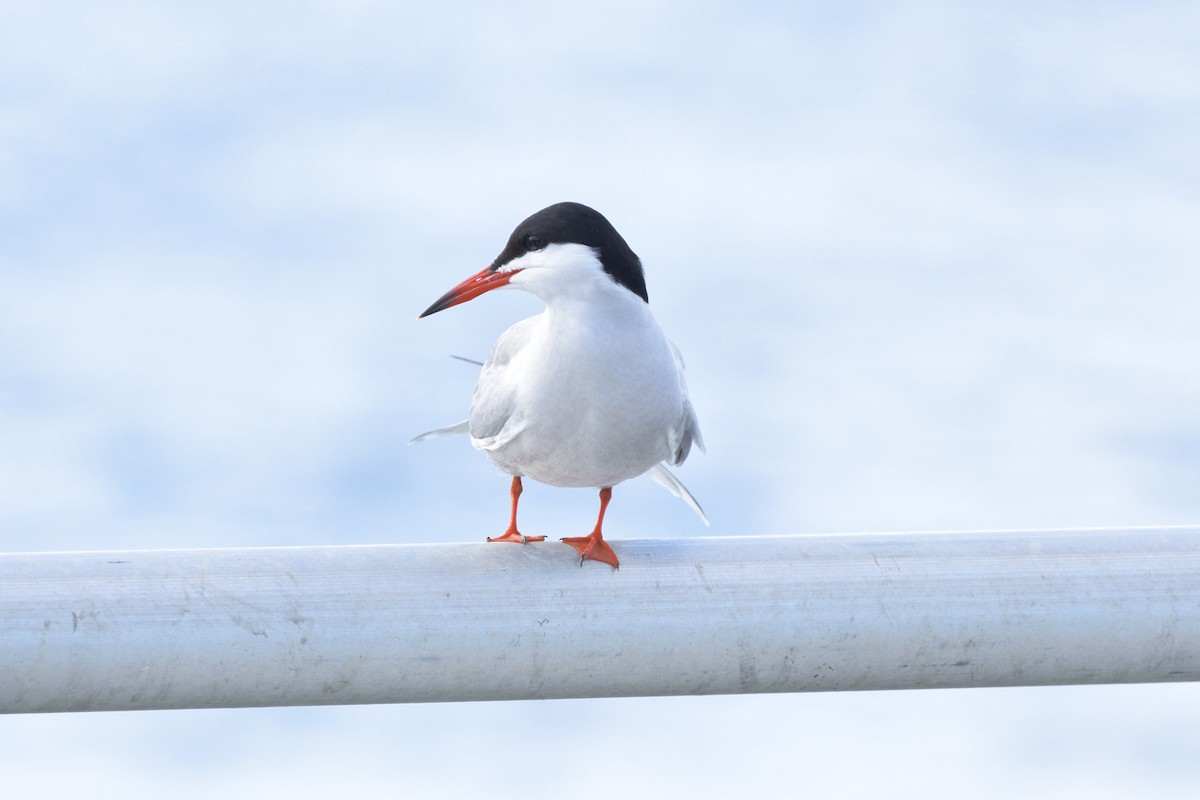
483,281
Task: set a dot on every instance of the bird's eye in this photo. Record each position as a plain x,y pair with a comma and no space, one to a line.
534,242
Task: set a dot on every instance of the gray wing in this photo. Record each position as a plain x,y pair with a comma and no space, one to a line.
686,431
494,416
684,434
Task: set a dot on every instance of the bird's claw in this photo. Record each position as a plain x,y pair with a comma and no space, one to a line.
593,547
515,536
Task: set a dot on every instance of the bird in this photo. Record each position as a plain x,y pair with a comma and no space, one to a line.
588,393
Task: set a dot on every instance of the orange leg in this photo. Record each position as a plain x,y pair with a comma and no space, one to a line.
512,534
593,545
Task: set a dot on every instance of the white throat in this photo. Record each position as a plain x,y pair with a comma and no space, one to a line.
562,273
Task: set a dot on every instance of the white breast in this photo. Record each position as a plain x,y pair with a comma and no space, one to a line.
588,393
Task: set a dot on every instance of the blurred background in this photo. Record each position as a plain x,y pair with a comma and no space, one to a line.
933,267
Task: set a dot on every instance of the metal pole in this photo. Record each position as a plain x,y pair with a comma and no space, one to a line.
416,623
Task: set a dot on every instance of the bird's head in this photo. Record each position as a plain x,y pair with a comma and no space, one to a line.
560,250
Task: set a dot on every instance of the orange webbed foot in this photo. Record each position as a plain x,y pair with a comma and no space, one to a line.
593,547
515,536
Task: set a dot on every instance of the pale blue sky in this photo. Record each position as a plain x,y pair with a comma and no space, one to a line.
932,267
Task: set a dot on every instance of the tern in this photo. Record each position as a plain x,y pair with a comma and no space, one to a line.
590,392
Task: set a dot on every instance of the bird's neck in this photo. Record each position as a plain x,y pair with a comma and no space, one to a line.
602,304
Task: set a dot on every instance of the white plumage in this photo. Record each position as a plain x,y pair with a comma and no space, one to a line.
590,392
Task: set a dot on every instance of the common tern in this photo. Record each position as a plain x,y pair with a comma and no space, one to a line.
588,393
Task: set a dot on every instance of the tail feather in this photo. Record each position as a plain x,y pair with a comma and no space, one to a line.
664,477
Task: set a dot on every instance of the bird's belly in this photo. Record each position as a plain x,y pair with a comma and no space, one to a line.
578,457
579,414
597,447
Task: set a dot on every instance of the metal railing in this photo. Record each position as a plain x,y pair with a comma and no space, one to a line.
416,623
